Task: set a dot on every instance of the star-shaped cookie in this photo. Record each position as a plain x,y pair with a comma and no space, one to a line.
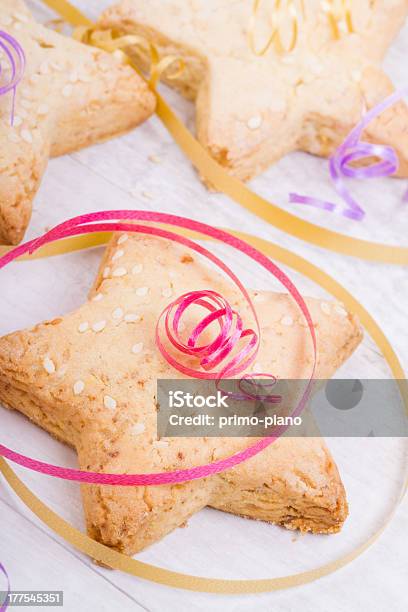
90,379
71,96
251,109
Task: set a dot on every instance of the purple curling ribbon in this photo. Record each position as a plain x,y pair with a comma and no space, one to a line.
354,149
15,57
4,604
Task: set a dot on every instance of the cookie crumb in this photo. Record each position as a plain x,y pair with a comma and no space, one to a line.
147,195
155,159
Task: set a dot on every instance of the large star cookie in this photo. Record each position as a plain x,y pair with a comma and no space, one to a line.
252,110
71,96
90,379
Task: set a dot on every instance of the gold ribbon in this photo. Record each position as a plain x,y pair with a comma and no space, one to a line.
112,42
289,8
116,560
235,189
338,12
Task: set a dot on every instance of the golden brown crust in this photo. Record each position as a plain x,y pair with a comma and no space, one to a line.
90,379
71,96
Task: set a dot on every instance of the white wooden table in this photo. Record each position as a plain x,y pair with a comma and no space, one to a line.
115,175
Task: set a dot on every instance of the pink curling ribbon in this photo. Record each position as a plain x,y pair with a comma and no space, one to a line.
108,221
16,61
220,349
354,149
4,604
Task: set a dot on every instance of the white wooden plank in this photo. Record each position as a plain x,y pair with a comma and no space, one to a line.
35,561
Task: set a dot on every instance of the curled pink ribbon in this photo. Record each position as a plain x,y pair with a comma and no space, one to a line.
218,351
354,149
4,604
15,55
107,222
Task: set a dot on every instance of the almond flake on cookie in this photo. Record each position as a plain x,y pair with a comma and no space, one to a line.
340,310
137,348
137,269
142,291
79,387
49,365
109,402
254,123
99,326
138,429
119,272
117,313
119,253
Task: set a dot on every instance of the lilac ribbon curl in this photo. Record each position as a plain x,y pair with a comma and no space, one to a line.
15,55
354,149
4,605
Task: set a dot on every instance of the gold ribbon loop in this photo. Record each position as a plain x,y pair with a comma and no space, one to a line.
338,12
113,41
281,8
159,68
